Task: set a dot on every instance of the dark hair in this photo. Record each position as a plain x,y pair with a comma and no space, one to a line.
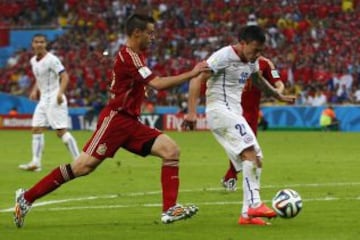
252,33
137,21
39,35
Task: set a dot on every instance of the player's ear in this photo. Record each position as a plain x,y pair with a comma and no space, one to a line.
137,32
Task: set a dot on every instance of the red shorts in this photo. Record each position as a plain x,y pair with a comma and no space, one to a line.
117,129
252,119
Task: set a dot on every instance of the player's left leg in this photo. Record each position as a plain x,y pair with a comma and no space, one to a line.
166,148
258,162
58,120
69,141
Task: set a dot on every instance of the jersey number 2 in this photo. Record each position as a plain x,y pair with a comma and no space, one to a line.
241,129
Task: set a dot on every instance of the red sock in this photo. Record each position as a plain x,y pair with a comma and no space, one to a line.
231,172
170,185
49,183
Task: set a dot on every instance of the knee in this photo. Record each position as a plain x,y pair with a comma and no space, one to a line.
249,154
60,133
258,162
37,130
165,148
171,152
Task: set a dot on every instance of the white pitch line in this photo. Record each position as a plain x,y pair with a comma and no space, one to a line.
148,205
112,196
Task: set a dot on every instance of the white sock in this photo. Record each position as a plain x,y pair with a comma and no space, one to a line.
245,207
258,175
71,144
250,184
38,143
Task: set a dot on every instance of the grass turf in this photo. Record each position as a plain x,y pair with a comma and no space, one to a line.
121,199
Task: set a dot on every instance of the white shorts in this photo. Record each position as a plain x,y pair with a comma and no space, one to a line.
49,113
234,134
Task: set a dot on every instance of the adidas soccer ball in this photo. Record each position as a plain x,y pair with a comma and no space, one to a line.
287,203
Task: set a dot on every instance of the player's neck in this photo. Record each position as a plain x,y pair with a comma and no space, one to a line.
238,48
133,46
40,55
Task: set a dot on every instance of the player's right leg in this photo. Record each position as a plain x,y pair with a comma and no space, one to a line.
22,207
84,165
229,181
38,143
251,186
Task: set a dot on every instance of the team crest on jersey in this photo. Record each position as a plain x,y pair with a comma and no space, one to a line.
101,149
243,77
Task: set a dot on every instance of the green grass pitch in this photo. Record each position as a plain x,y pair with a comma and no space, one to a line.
121,199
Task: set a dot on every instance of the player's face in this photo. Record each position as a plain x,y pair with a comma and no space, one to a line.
147,36
39,45
252,50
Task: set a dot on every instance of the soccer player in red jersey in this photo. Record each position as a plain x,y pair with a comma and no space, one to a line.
119,126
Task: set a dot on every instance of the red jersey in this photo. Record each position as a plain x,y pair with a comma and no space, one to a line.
130,76
250,98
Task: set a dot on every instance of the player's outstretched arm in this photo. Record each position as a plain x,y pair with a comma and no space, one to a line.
279,86
266,87
170,81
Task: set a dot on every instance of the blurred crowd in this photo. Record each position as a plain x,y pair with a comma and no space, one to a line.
314,44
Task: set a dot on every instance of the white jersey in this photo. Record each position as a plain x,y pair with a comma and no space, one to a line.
48,112
225,87
223,103
46,72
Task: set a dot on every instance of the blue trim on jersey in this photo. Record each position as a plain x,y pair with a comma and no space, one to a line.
61,71
224,90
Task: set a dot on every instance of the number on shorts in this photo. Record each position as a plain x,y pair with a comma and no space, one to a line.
241,128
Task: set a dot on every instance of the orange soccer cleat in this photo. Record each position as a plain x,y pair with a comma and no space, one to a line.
261,211
252,221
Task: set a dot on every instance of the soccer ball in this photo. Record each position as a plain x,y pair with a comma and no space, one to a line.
287,203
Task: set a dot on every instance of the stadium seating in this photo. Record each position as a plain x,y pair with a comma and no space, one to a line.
313,43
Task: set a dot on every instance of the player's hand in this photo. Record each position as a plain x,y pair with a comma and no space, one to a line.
200,67
33,95
189,122
188,125
59,99
286,98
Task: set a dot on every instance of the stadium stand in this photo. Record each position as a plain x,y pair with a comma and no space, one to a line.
315,44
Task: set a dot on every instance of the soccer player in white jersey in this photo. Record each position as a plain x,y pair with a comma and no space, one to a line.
52,110
231,67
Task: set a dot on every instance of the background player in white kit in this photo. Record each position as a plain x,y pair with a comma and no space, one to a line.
52,110
231,67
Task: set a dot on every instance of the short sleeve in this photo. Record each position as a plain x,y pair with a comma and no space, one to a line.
269,71
56,65
218,60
